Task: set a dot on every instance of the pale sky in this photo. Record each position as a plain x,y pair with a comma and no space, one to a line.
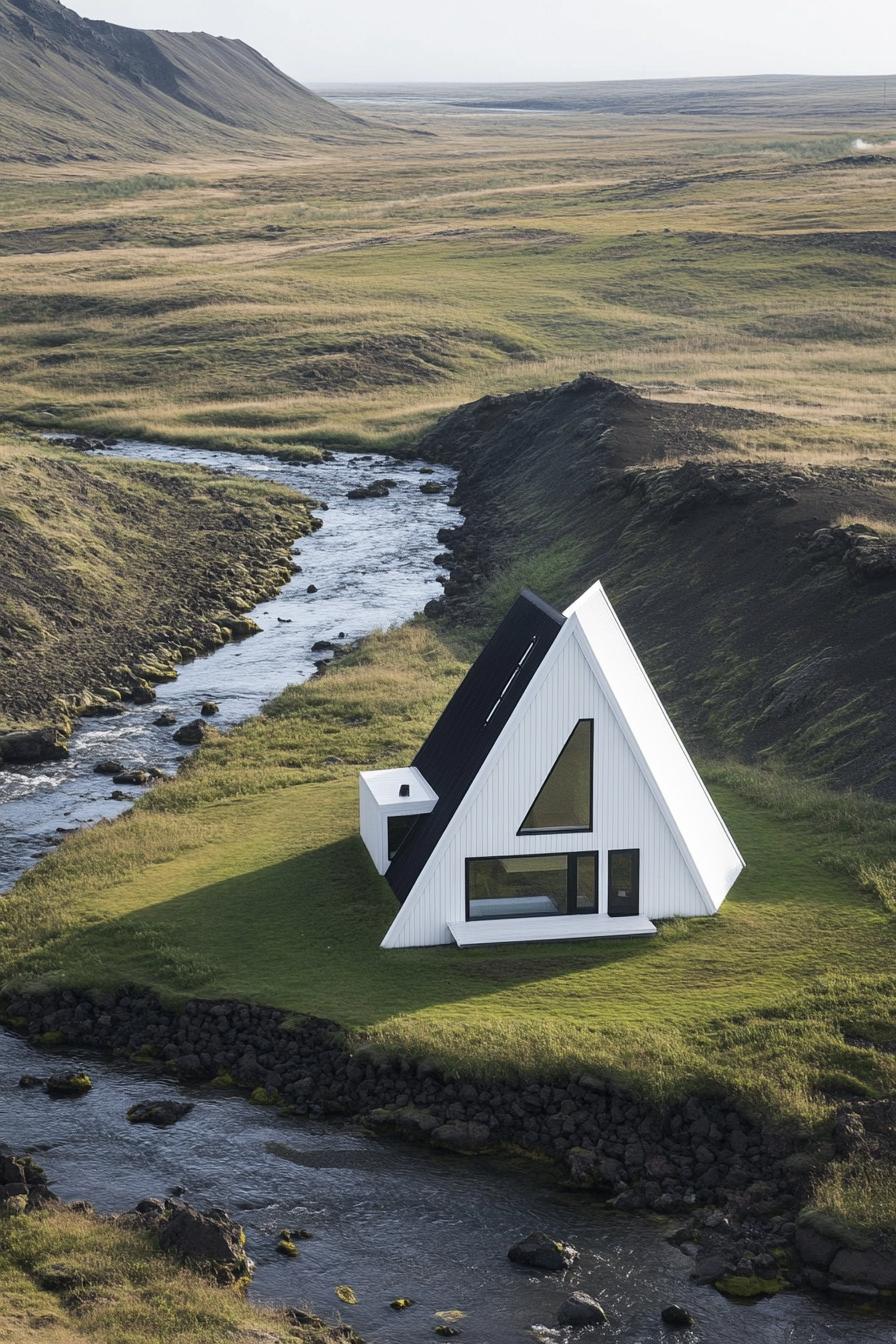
329,41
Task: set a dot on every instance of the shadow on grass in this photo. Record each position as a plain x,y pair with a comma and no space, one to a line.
304,934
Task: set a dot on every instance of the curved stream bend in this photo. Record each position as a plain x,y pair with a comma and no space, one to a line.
372,563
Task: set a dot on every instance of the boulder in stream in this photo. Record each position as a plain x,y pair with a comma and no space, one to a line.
135,778
72,1084
167,719
162,1111
192,733
27,746
210,707
580,1310
539,1251
109,767
678,1317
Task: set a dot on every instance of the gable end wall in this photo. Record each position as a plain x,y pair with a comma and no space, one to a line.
625,811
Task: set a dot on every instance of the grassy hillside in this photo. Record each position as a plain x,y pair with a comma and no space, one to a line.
762,643
92,551
351,294
73,88
119,1290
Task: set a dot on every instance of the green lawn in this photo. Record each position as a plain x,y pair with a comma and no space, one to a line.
246,878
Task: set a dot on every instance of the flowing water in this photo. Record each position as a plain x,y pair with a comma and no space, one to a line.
372,563
389,1220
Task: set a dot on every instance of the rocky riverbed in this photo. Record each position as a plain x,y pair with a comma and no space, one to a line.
386,1219
369,565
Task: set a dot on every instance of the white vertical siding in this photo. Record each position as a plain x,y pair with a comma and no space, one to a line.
373,826
626,814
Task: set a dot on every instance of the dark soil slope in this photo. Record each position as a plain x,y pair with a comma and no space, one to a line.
95,584
73,88
766,629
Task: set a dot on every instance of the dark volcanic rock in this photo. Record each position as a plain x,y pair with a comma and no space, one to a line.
71,1084
678,1317
814,1248
133,777
192,733
376,490
211,1242
539,1251
876,1267
167,719
209,708
28,746
462,1136
161,1112
108,767
580,1310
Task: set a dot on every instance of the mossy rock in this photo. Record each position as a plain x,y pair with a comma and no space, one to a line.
50,1040
401,1303
223,1079
750,1285
286,1246
146,1053
261,1096
68,1084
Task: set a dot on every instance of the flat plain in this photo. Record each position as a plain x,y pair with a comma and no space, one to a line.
350,293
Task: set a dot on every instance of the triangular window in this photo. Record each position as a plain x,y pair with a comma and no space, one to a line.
564,800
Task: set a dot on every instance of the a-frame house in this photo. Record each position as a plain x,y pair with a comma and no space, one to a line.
552,799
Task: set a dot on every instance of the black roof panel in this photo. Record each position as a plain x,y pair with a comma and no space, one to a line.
471,723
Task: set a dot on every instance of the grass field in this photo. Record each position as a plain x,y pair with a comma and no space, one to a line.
245,878
122,1290
349,295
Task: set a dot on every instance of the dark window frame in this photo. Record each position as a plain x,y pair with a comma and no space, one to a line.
636,874
412,818
572,857
566,830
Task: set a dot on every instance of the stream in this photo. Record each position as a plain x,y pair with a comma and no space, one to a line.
372,563
389,1220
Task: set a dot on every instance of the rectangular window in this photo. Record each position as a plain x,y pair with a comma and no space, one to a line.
623,896
526,885
398,830
586,883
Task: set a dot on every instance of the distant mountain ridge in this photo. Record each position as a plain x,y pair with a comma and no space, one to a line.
73,88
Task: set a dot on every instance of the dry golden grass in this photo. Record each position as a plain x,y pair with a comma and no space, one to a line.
885,526
125,1290
346,295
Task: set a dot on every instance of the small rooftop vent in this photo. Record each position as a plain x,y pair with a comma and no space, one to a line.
404,790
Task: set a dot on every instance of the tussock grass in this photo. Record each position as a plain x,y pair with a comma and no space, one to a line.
123,1290
856,1200
885,526
218,300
